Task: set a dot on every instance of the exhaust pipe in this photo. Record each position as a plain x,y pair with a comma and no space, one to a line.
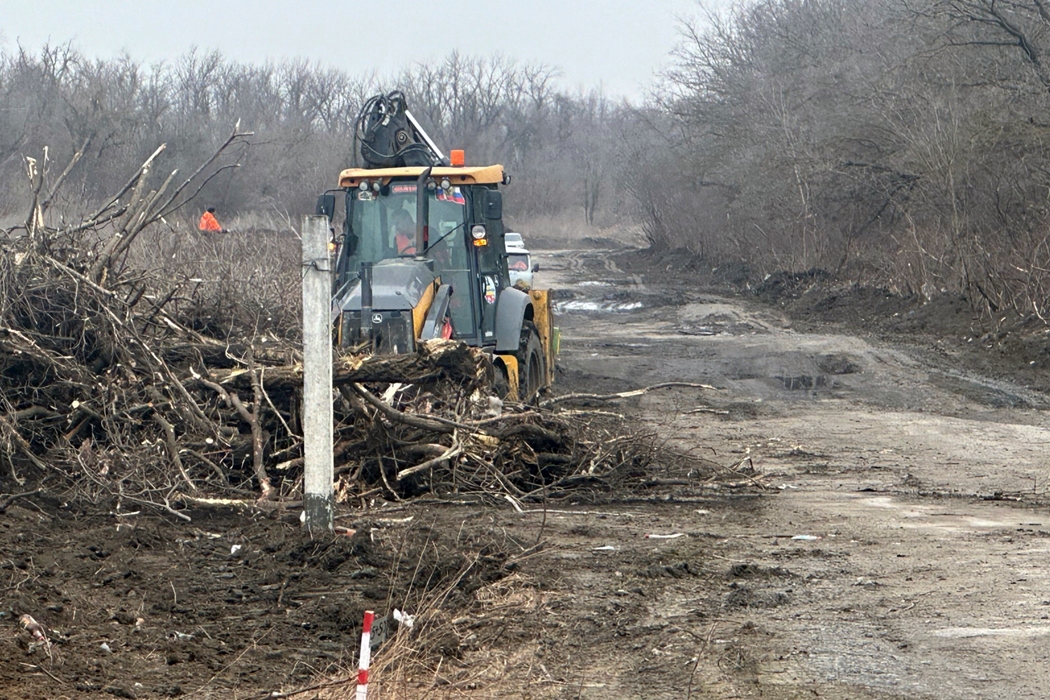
366,301
422,212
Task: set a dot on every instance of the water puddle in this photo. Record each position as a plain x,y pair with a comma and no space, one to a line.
598,306
805,381
701,330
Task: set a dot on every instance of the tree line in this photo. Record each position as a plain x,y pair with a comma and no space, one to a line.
895,142
301,117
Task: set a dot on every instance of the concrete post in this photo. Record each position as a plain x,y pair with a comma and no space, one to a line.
318,463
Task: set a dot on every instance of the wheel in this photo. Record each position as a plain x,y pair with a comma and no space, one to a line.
500,385
530,364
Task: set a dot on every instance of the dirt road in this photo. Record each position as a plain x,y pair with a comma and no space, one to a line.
902,547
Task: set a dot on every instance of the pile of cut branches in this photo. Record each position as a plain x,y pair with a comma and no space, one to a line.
115,383
448,438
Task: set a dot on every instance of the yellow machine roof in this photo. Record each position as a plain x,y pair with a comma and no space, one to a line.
473,175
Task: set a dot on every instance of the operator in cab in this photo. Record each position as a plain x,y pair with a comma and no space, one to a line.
405,233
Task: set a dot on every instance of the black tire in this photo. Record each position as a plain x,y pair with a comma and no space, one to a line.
500,385
530,364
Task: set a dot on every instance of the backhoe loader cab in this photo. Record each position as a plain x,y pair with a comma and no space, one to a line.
422,256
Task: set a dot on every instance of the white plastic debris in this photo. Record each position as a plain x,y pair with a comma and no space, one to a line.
234,549
665,537
34,628
105,648
404,619
805,538
495,408
604,548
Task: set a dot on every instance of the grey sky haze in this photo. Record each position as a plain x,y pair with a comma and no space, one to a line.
615,44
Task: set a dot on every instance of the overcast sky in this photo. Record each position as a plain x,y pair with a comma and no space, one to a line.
615,44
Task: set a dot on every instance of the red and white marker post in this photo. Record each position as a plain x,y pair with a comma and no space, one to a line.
366,656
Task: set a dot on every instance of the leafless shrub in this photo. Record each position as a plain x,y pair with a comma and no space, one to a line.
233,285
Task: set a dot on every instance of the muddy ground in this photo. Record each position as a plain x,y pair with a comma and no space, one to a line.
875,525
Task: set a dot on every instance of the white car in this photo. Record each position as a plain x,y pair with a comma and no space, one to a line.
520,266
513,240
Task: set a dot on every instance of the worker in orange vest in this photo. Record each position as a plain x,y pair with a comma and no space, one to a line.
405,233
209,223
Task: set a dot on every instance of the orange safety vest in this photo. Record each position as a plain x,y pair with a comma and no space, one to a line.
405,246
208,222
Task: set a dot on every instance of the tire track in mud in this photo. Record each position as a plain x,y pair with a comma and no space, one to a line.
611,266
575,260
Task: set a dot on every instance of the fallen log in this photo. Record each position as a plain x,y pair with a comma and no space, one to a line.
216,355
435,361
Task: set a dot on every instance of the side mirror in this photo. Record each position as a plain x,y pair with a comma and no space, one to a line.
493,205
536,267
326,205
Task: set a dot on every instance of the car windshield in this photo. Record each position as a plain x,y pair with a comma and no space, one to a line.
513,240
517,262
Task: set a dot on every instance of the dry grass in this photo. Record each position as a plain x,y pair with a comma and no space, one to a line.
238,284
441,657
